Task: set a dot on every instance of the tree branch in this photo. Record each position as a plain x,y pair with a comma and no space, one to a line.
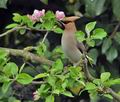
21,27
28,55
115,30
91,78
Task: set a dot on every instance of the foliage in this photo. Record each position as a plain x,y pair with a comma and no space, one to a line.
58,79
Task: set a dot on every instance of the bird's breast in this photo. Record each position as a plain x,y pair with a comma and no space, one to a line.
69,46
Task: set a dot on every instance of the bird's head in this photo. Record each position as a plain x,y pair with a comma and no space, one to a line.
68,22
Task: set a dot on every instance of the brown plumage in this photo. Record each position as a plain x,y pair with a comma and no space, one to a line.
70,45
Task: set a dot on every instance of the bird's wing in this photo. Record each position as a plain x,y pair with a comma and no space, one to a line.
81,46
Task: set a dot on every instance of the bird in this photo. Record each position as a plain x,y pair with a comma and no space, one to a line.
70,46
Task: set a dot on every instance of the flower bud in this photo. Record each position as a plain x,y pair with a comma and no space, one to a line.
36,95
60,15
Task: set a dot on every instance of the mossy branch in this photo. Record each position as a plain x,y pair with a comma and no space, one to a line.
28,55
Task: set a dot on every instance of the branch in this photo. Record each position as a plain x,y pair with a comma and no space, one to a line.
21,27
38,82
114,94
91,78
115,30
28,55
86,71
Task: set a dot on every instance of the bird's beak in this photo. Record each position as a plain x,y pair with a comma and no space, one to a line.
70,19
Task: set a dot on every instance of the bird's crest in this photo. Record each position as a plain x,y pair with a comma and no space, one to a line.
70,19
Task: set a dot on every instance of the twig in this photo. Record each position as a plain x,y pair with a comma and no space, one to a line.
21,27
21,68
85,69
10,31
28,55
115,30
45,37
38,82
114,94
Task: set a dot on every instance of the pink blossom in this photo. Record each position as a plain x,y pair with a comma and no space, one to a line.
60,15
37,14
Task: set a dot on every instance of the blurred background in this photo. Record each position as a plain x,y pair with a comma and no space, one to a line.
105,12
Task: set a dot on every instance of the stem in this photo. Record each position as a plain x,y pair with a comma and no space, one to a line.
38,82
86,71
20,27
21,68
114,94
45,36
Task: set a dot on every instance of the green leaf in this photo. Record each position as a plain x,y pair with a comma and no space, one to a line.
11,25
90,86
44,88
94,7
116,10
57,67
3,3
98,33
13,99
111,82
4,78
3,54
17,17
97,81
5,86
41,49
64,84
67,93
80,36
24,78
49,15
56,91
90,42
27,21
10,69
48,24
58,30
57,52
44,1
49,20
105,76
116,81
111,54
42,75
106,45
108,96
51,80
89,27
50,98
93,53
74,72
